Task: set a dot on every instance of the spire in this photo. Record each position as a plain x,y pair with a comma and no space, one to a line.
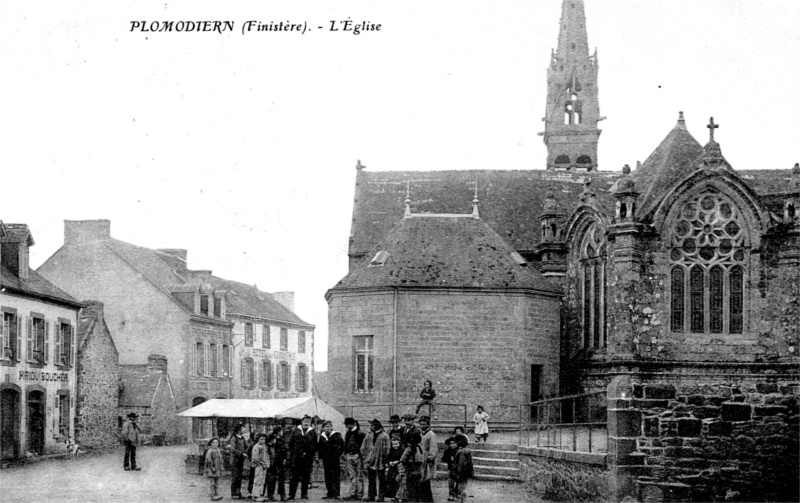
408,199
573,44
475,203
359,166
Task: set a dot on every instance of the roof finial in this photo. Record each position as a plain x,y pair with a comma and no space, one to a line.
359,166
711,127
408,198
475,213
681,123
626,170
796,169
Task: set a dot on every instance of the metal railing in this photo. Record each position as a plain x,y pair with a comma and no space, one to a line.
575,422
446,413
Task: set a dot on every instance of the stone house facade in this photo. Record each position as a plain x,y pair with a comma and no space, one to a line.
149,307
146,390
37,353
98,385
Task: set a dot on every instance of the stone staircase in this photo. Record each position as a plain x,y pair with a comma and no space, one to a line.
491,461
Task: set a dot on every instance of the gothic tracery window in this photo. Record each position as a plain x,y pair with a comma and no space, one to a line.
593,288
708,253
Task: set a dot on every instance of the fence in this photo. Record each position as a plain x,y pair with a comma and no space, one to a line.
574,422
445,413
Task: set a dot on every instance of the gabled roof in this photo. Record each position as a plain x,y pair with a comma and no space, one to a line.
444,251
139,385
35,286
674,158
510,201
248,300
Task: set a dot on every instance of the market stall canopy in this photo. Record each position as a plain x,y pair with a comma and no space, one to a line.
277,408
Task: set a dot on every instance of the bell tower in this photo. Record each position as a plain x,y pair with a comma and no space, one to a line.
573,111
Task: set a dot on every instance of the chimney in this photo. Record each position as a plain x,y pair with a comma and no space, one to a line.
175,258
92,309
79,232
157,362
285,298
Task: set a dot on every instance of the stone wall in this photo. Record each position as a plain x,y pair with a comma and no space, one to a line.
734,437
98,381
564,475
164,419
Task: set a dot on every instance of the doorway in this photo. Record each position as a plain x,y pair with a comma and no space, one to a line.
9,423
36,421
536,388
198,430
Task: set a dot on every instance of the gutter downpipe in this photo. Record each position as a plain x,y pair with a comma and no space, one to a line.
394,353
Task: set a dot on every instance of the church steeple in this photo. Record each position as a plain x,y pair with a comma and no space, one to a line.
573,110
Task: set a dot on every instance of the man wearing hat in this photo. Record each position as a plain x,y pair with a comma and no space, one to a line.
302,447
396,430
237,446
352,451
374,450
331,447
409,429
430,448
130,435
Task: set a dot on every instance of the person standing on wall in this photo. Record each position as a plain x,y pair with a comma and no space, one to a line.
352,451
302,447
331,448
130,436
237,445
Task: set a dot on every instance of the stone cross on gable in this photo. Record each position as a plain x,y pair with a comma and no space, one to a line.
711,127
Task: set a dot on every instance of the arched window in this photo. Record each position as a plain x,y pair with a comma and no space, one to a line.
584,159
593,288
708,253
562,159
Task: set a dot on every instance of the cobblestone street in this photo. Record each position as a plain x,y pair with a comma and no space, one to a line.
164,479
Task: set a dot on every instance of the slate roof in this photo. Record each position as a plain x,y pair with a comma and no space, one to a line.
35,286
140,385
510,201
148,262
445,252
674,158
250,301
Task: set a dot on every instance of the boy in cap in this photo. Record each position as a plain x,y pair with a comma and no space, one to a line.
374,450
396,429
331,447
130,435
464,469
352,450
302,446
237,445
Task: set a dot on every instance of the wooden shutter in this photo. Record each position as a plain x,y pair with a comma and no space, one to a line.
207,357
46,341
29,333
18,349
241,364
59,343
56,415
71,345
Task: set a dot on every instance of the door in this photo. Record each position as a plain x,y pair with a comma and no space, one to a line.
9,424
36,421
197,422
536,388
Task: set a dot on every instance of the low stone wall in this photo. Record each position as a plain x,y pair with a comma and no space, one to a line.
564,475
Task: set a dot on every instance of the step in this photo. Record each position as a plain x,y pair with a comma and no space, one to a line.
508,478
493,447
496,471
508,463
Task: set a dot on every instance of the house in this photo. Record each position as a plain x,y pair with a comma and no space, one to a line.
37,353
146,390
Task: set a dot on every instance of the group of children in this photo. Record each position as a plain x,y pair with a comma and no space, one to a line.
459,465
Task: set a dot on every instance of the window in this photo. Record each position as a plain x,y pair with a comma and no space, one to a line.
266,374
64,343
248,373
379,259
265,342
283,376
593,288
301,342
284,339
226,361
204,304
218,308
248,334
62,401
363,362
708,253
9,337
562,159
213,360
302,377
199,359
38,344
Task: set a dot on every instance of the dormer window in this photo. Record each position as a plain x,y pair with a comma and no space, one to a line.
204,304
518,259
217,308
379,259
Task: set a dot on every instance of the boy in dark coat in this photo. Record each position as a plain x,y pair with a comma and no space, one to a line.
463,467
276,473
302,447
355,465
331,447
238,447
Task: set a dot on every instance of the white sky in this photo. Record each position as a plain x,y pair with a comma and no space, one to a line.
241,148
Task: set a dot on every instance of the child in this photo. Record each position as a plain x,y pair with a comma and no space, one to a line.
449,458
393,467
72,448
213,467
481,425
463,467
427,394
259,462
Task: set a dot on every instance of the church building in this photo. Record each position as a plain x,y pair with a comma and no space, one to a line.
672,286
